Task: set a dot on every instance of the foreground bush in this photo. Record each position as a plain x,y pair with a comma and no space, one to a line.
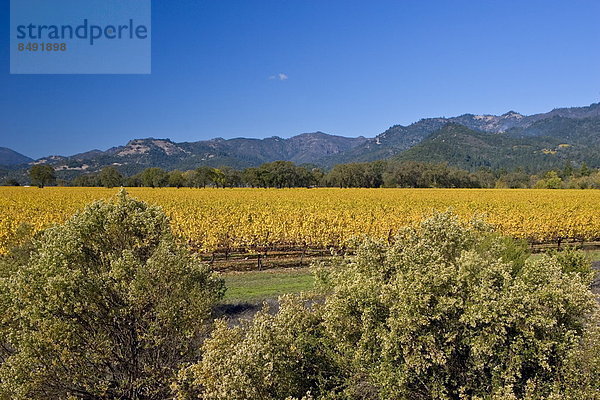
106,306
267,358
447,311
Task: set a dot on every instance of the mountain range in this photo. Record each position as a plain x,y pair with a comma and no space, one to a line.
11,157
535,142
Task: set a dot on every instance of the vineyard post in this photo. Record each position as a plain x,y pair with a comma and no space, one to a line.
302,255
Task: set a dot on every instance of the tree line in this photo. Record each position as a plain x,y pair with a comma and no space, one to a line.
285,174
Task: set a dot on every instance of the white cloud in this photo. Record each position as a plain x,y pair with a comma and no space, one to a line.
280,77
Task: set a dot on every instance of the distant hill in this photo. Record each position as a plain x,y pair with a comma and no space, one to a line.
10,157
546,144
536,142
238,153
399,138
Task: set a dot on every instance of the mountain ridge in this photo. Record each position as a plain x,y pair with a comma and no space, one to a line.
399,138
239,152
545,144
10,157
574,127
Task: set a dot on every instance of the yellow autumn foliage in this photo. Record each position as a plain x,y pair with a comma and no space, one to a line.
253,218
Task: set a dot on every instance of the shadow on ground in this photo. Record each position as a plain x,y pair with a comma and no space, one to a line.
236,312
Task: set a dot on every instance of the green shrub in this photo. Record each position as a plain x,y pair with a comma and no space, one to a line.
270,357
448,311
105,306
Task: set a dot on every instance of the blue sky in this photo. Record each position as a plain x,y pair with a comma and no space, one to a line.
351,67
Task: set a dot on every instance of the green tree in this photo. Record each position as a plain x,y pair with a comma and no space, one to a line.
204,176
134,180
279,174
86,180
551,181
154,177
591,181
485,177
568,170
253,177
188,178
317,177
585,170
107,306
513,180
176,179
11,182
218,178
448,310
348,175
230,177
42,175
110,177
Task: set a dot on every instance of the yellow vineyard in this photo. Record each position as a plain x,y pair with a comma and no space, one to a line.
213,219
